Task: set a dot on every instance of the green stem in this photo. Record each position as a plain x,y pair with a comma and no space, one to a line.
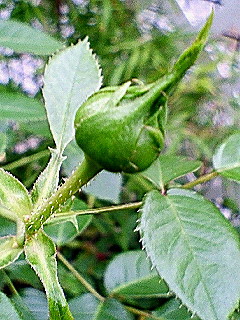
136,205
23,161
143,313
78,276
202,179
127,206
85,172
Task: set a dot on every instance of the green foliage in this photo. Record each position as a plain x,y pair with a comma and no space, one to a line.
66,87
17,107
130,275
14,201
226,158
22,38
7,309
10,250
87,307
191,244
167,168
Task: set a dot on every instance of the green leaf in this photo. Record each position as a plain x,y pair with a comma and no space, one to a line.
7,310
14,198
36,302
23,310
9,250
47,182
226,159
70,78
192,246
22,272
87,307
17,107
23,38
84,307
130,274
41,255
168,167
106,185
173,310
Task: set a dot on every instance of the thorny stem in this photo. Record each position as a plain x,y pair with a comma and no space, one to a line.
78,276
85,172
134,205
88,286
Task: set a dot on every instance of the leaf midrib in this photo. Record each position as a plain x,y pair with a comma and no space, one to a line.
188,243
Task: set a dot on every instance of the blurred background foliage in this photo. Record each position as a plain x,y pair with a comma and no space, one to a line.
137,40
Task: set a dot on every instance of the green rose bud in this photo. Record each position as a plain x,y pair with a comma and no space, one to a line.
122,128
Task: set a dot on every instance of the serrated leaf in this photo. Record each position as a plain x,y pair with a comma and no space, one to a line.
22,38
168,167
192,246
87,307
130,274
14,197
226,159
7,310
173,310
47,182
17,107
41,255
69,79
9,250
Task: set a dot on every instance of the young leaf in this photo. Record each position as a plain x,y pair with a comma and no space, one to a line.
17,107
167,168
130,274
70,78
9,250
192,246
14,197
47,182
41,255
23,38
226,160
7,310
87,307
